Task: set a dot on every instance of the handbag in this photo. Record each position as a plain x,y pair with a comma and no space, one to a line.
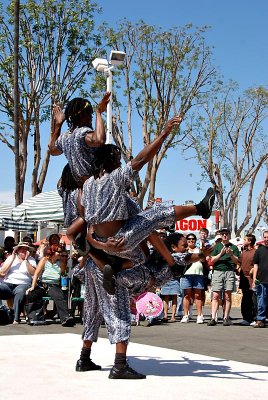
6,315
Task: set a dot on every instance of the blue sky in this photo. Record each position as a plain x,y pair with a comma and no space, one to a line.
238,33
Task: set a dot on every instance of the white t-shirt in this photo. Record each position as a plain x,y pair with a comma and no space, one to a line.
197,267
18,273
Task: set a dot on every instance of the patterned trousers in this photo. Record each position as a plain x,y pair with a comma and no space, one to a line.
98,305
138,228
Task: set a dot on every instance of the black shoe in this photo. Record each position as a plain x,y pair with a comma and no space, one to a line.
68,322
86,365
125,373
204,208
212,322
108,279
81,244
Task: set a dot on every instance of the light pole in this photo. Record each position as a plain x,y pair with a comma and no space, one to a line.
102,65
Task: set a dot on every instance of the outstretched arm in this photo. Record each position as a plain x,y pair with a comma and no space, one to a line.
98,137
151,149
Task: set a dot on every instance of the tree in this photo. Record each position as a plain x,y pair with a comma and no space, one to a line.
164,74
225,136
57,45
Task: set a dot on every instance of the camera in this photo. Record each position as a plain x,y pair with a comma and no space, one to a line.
228,245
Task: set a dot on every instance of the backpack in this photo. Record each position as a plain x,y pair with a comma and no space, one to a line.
6,315
35,313
34,307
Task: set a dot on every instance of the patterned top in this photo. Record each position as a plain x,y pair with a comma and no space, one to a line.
180,258
69,202
105,199
75,149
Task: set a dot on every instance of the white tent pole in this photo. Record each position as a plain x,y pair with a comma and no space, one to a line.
39,231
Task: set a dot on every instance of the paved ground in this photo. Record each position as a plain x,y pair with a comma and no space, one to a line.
192,360
42,367
238,343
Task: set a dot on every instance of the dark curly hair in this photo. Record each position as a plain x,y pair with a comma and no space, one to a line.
104,159
75,109
67,180
173,239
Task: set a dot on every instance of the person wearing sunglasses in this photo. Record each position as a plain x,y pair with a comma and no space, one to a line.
193,283
50,267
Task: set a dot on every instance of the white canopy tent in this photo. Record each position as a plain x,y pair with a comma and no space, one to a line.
45,206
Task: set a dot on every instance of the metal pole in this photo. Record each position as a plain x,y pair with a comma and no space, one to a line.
109,76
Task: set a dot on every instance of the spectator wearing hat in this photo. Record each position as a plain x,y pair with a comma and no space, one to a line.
17,272
225,257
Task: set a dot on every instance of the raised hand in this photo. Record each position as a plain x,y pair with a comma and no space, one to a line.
103,103
58,114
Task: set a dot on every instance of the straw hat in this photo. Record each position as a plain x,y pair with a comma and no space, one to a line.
22,244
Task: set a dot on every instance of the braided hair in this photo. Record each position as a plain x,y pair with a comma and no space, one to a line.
104,159
75,109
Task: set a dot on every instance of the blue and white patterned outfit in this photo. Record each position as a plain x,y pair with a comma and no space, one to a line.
105,199
69,202
79,156
115,310
98,305
75,149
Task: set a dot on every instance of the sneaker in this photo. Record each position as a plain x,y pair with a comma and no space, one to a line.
204,208
86,365
200,319
259,324
108,279
244,323
68,322
253,323
125,373
212,322
226,322
185,319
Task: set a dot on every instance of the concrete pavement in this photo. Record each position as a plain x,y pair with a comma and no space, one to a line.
41,366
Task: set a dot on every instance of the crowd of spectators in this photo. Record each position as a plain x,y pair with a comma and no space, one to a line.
31,273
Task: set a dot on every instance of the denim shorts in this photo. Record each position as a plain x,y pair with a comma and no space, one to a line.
192,282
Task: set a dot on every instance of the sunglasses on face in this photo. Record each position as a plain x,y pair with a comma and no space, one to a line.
191,239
